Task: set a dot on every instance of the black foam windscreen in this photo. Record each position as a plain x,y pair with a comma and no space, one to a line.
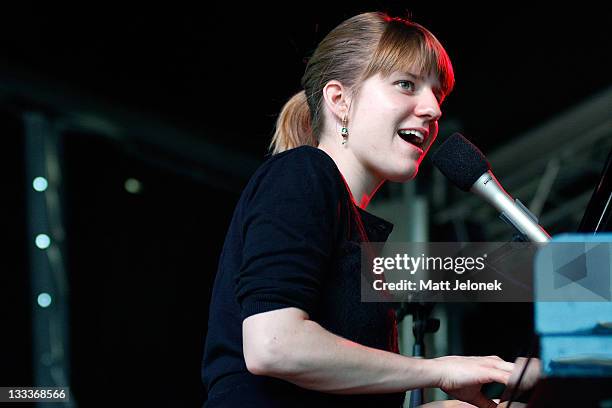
460,161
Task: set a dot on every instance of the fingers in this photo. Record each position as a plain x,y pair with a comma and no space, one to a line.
498,370
502,364
499,376
530,376
506,366
482,402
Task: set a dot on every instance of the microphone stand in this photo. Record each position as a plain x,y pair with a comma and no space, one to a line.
422,323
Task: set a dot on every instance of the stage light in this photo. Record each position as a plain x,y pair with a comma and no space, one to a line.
44,300
43,241
133,186
40,184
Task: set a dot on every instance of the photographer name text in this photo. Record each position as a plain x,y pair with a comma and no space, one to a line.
431,285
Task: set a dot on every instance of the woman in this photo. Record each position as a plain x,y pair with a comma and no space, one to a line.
286,325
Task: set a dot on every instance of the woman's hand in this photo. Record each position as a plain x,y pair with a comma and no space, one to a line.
463,377
530,377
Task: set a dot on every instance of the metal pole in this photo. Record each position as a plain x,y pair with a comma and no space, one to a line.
48,280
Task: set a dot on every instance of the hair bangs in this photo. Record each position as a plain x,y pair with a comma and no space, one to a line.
408,47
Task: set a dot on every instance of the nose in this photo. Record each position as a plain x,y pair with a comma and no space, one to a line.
428,105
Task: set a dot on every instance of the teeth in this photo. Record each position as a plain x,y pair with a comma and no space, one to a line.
412,132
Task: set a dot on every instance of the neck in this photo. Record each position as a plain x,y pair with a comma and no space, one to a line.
362,183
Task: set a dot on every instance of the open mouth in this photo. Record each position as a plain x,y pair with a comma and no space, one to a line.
414,137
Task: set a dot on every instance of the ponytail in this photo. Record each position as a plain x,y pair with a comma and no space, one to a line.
293,126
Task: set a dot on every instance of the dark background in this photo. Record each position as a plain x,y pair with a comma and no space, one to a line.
234,65
141,266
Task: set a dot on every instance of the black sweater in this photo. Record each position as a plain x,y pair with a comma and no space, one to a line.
293,242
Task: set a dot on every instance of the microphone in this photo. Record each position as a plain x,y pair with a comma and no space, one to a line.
467,168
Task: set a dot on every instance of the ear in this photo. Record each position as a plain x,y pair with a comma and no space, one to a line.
336,98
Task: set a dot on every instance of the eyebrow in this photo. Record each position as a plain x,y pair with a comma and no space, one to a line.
413,75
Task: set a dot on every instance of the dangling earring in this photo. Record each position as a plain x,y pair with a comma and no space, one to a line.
344,131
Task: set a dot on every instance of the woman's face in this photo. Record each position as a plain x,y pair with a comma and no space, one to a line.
383,107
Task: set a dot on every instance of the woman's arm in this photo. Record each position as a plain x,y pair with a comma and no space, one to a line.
285,344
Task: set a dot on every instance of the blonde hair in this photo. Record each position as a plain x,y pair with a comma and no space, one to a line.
355,50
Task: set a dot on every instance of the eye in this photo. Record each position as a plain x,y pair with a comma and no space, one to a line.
407,85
